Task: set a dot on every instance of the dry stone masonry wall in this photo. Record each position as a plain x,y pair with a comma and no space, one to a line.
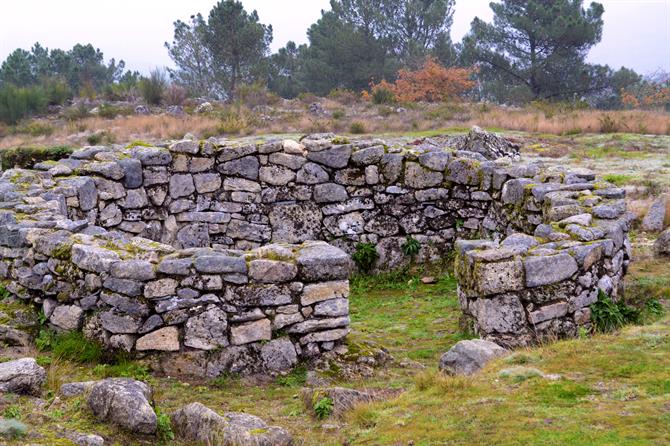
234,253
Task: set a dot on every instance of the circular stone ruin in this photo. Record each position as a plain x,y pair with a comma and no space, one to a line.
218,255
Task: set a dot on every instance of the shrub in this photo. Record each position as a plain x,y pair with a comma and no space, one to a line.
76,112
17,103
343,96
608,124
365,256
36,128
323,407
338,114
27,157
357,128
432,83
57,91
411,247
253,95
103,137
382,93
153,87
12,429
175,95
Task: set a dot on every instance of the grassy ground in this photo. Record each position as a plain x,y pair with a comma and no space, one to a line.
609,390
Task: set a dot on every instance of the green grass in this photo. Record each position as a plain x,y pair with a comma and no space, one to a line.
610,389
618,179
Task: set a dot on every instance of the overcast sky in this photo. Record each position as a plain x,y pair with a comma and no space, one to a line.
636,34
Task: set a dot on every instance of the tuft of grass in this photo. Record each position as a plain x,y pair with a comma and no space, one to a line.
123,368
357,128
618,179
71,346
296,378
520,374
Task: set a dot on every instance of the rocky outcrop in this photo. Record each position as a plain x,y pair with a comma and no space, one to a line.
469,356
22,376
124,402
197,423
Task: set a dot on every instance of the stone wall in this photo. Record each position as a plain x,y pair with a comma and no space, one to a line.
187,202
243,195
528,288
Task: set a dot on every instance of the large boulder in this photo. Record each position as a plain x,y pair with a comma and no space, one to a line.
124,402
468,357
662,244
22,376
199,424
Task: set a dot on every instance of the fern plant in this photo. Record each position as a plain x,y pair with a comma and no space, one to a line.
411,247
365,256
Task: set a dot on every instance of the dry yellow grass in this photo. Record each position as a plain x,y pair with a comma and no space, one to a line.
294,117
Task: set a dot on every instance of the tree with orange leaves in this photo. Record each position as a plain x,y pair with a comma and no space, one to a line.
432,83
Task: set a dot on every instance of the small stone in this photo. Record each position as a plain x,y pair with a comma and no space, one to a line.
160,288
469,356
164,339
181,185
272,271
260,330
545,270
67,317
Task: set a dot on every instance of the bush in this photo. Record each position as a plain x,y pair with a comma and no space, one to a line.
175,95
382,93
153,87
608,315
27,157
57,91
608,124
357,128
365,256
253,95
36,128
109,111
103,137
163,427
76,112
343,96
18,103
431,83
